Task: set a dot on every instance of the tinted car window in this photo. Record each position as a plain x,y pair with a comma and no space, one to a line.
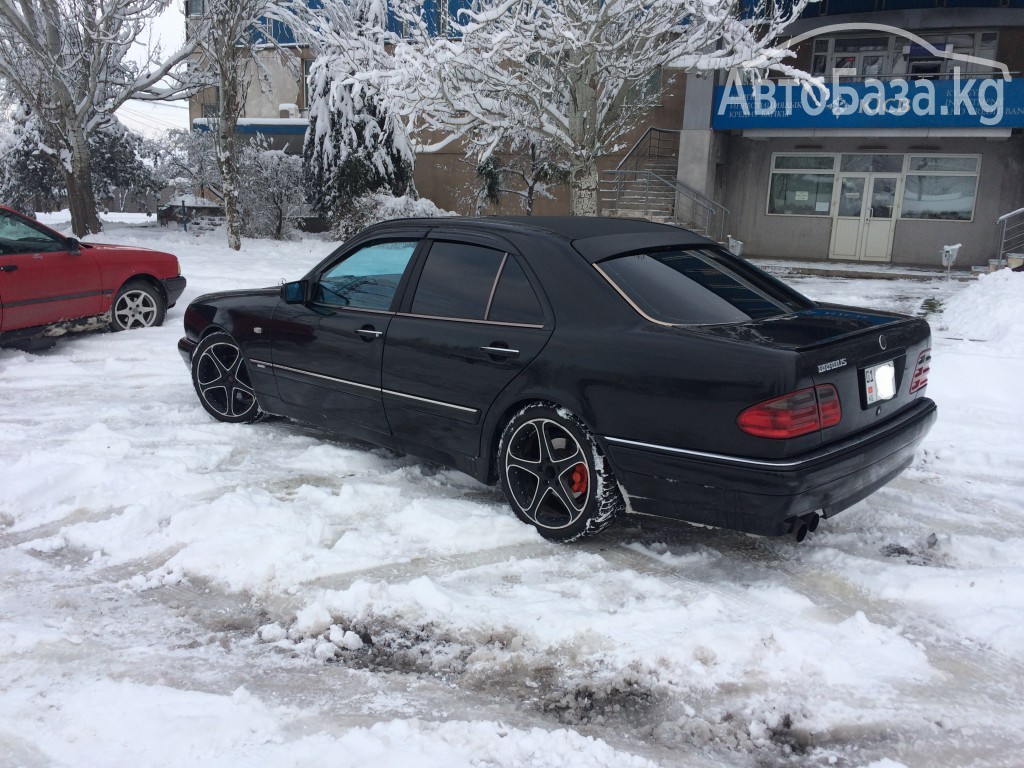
366,279
699,287
18,236
457,281
514,298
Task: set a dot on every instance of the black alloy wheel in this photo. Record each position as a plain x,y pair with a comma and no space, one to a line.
554,475
138,304
222,380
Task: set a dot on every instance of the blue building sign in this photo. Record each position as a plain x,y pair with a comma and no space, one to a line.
962,102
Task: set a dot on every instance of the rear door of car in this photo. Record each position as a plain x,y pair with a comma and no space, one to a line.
41,281
326,352
472,320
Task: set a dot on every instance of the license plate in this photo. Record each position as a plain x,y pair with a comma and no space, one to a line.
880,382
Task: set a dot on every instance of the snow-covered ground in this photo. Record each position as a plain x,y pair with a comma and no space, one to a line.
182,592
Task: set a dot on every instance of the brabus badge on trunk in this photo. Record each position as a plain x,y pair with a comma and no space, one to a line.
832,365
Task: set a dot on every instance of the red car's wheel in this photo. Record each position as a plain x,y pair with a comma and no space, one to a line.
137,305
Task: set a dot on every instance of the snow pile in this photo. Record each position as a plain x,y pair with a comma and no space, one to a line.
989,310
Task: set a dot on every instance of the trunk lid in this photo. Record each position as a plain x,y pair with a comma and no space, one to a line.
862,353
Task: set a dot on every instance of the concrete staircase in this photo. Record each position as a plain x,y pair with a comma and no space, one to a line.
644,185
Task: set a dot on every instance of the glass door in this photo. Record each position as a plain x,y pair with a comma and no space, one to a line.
879,219
864,217
848,216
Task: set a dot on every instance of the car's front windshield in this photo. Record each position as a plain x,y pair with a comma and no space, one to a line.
699,286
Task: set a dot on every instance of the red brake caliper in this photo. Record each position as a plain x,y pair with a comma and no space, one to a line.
579,478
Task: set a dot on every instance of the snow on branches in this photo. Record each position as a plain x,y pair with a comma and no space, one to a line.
573,72
68,60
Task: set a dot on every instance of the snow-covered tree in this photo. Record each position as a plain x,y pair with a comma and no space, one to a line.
573,71
69,61
232,34
31,176
353,145
121,170
270,188
527,169
187,162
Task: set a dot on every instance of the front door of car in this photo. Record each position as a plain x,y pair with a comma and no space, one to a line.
472,324
327,351
41,280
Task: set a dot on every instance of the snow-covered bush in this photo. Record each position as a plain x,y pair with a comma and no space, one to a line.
188,163
270,197
378,206
270,181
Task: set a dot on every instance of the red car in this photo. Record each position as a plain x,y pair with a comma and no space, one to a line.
51,284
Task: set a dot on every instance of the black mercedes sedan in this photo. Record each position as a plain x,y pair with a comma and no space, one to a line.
593,367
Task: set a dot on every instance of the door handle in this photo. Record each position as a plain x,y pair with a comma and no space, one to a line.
369,333
8,268
496,351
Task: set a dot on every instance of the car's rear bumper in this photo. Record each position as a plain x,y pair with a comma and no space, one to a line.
174,286
185,348
764,496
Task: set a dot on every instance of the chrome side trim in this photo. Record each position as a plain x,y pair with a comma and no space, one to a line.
770,463
263,363
346,308
469,320
494,285
428,400
629,301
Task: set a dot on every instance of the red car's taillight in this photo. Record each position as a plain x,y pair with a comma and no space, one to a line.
920,378
792,415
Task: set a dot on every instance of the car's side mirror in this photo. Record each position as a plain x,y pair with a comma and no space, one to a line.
74,247
295,293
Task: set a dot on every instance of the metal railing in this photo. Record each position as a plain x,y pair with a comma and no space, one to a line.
1011,234
657,145
643,184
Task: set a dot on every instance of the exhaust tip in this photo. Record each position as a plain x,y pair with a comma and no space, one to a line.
800,531
812,521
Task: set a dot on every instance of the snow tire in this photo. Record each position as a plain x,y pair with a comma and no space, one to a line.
221,380
554,475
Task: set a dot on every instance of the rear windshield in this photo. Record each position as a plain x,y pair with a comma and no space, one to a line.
700,287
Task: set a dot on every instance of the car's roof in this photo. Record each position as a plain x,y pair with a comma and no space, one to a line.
595,237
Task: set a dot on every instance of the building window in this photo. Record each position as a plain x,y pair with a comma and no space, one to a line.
881,56
941,187
801,185
864,163
195,7
211,108
307,83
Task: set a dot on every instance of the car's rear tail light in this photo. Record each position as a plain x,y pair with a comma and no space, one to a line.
795,414
920,378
